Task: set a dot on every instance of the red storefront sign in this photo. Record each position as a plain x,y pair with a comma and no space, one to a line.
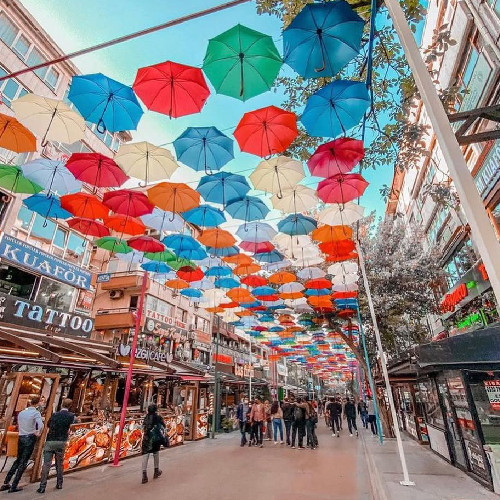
450,300
223,358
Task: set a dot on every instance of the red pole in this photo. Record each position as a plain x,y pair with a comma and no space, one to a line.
128,382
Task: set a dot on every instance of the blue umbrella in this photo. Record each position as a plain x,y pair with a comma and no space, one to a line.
204,148
322,39
248,208
106,102
47,205
269,257
203,284
256,232
180,242
336,108
249,305
222,187
52,175
223,252
297,224
263,290
317,292
276,329
205,216
163,221
156,267
191,293
226,283
219,271
191,254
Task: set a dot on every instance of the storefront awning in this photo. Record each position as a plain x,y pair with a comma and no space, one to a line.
191,378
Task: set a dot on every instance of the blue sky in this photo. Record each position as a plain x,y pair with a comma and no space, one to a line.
74,27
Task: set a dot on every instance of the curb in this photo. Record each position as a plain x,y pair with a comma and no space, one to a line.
378,490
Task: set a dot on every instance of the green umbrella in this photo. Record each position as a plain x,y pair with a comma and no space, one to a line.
178,263
241,62
12,178
113,245
165,256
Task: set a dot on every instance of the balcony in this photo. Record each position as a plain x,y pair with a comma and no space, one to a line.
121,281
106,319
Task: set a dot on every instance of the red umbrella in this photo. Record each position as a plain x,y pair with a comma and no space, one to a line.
125,224
96,169
128,202
266,131
145,244
318,283
84,205
336,157
338,247
253,280
341,188
342,257
260,329
171,88
189,274
344,295
253,247
88,227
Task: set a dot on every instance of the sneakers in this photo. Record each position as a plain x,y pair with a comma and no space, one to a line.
350,435
5,487
333,434
14,489
338,434
276,442
301,448
357,434
261,446
293,447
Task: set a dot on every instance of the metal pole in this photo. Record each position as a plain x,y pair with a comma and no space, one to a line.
216,381
482,229
251,366
406,478
128,381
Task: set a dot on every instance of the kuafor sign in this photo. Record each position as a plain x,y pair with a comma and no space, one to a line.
451,299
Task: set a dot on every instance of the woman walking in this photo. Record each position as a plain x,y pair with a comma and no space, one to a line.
153,440
277,419
269,431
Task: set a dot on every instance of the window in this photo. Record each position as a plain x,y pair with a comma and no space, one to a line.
460,262
22,46
34,59
59,242
55,294
43,228
134,300
8,30
75,249
436,224
24,216
10,89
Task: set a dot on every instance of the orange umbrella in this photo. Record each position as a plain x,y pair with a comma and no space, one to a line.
14,136
229,305
173,196
238,259
337,247
84,205
247,300
214,310
125,224
322,300
291,295
245,269
243,313
237,294
318,283
282,277
331,233
177,284
341,258
216,238
189,274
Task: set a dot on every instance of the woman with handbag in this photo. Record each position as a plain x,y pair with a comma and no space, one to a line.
154,438
311,421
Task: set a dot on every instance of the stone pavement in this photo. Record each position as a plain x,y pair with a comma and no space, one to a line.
434,478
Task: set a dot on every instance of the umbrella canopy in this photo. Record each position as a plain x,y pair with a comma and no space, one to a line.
192,293
47,205
52,175
256,232
216,238
84,205
189,274
96,169
334,109
291,287
277,174
269,257
338,247
51,119
180,242
342,188
311,273
342,268
253,280
241,62
127,202
219,271
239,259
106,102
223,252
156,267
342,214
113,245
88,227
226,282
318,283
253,247
318,292
171,88
322,38
296,199
336,157
223,187
12,179
165,256
282,277
125,224
146,162
177,284
14,136
266,131
346,279
331,233
173,196
205,216
246,269
145,244
248,208
297,224
163,221
204,148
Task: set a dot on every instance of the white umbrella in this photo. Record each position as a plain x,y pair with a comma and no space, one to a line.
204,284
292,287
163,221
346,267
285,242
276,174
353,287
308,261
303,308
345,279
51,119
339,215
311,273
275,266
133,256
256,232
295,200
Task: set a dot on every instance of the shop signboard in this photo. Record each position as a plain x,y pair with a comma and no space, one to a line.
476,459
153,326
223,358
164,318
103,277
22,312
244,371
201,346
493,391
489,173
146,354
29,257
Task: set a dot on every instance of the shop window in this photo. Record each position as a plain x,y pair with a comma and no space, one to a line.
55,294
8,30
430,401
485,388
24,217
43,229
15,281
134,301
75,249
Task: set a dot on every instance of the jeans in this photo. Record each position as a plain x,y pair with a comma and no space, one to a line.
52,448
312,439
243,433
364,418
300,429
351,423
288,428
278,424
145,460
25,448
257,432
269,430
335,422
373,424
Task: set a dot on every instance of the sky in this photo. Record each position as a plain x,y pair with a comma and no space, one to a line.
73,27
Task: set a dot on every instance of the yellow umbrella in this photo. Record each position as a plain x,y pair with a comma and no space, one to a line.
276,174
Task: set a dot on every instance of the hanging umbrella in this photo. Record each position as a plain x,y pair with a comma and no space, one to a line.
205,216
253,247
317,292
145,244
241,62
269,257
163,221
132,257
216,238
262,291
343,268
125,224
180,242
204,148
296,224
189,274
165,256
257,232
96,169
203,284
223,187
342,214
318,283
336,157
338,247
346,279
311,273
342,257
127,202
176,284
219,271
113,245
336,108
248,208
52,175
277,174
171,88
51,119
146,162
14,136
47,205
156,267
253,280
287,242
84,205
191,254
331,233
226,282
237,294
192,293
246,269
342,188
12,179
88,227
353,287
266,131
239,259
210,262
173,196
223,252
106,102
296,199
291,287
322,38
282,277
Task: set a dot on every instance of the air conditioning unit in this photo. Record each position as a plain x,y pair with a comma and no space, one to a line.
115,294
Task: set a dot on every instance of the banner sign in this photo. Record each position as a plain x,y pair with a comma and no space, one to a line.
22,312
41,262
493,391
155,327
146,354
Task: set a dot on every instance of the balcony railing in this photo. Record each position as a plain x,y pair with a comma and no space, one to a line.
114,318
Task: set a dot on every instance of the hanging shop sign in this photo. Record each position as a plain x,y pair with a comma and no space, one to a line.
451,299
493,391
163,318
17,311
476,318
153,326
34,259
223,358
145,354
201,346
244,371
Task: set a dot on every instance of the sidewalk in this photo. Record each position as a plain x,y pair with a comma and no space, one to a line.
434,478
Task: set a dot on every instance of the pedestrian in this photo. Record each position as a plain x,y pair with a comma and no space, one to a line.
312,420
334,409
55,443
152,441
268,424
371,417
299,423
277,420
257,419
350,415
363,413
287,409
320,407
242,415
30,425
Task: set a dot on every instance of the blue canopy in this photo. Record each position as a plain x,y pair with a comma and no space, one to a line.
47,205
156,267
297,224
223,252
317,292
223,187
191,293
205,216
248,208
219,271
180,242
226,283
269,257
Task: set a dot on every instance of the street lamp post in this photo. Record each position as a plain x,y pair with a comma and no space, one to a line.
216,382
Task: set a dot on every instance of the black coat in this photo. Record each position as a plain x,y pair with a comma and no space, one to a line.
287,411
148,446
350,410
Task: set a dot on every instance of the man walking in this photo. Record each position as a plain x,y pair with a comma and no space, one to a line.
287,409
363,413
372,419
242,416
350,415
335,411
30,427
55,443
299,423
257,417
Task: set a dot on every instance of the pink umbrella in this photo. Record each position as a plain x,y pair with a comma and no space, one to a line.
128,202
145,244
336,157
96,169
341,188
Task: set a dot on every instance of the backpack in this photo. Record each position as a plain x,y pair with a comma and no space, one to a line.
313,416
298,414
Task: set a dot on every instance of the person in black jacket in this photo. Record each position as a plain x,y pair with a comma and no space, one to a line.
288,419
152,442
350,415
334,409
